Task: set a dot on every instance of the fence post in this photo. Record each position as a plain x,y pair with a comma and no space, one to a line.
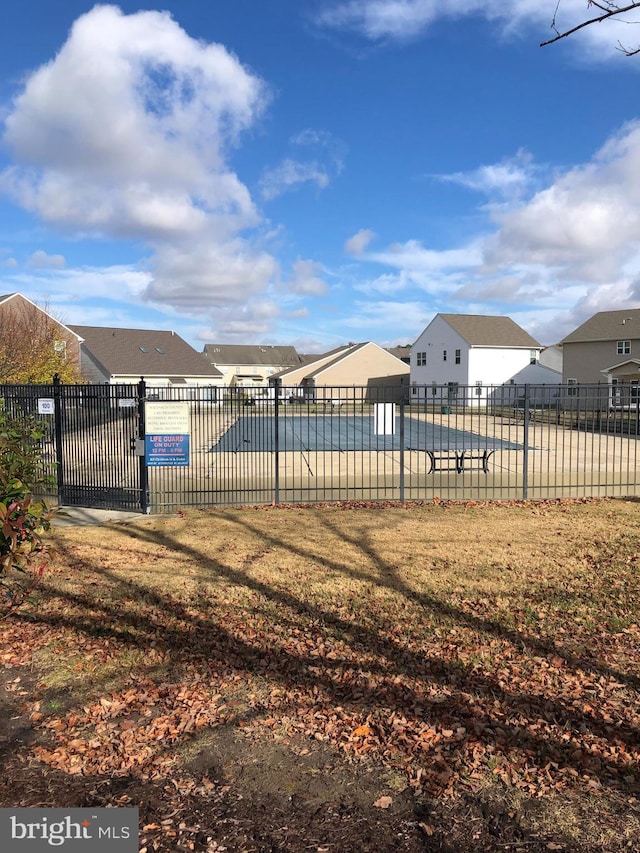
526,413
401,439
142,459
57,428
276,443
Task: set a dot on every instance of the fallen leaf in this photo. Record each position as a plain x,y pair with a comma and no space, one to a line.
363,731
383,803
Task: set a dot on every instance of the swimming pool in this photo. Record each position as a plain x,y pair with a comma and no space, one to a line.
302,433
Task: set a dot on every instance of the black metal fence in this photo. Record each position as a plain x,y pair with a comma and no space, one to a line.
158,449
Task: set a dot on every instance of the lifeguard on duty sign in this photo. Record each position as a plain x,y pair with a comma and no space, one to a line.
34,830
167,434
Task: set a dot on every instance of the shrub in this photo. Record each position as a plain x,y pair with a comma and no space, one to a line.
23,520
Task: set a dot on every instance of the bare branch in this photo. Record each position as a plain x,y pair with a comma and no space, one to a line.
608,9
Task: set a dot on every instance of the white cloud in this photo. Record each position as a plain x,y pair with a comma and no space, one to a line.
290,175
306,278
6,259
380,20
151,163
202,276
413,257
586,225
335,149
120,281
41,260
358,243
298,314
292,172
569,250
244,322
411,316
509,179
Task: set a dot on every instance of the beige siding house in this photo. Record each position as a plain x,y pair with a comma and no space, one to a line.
356,371
606,349
606,339
249,366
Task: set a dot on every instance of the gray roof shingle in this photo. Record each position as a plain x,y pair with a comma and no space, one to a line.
607,326
490,331
143,352
229,354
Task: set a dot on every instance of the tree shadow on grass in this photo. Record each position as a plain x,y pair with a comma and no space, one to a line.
399,689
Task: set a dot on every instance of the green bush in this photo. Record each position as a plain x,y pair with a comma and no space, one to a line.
23,520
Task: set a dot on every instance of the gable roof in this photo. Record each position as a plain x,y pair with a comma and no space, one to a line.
490,331
318,359
629,361
342,354
324,362
20,296
285,356
143,352
607,326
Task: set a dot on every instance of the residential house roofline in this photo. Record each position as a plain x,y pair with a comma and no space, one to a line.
143,352
483,330
607,326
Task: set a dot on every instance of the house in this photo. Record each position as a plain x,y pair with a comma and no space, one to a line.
540,384
606,349
607,339
26,325
469,350
249,366
552,357
356,371
403,352
164,359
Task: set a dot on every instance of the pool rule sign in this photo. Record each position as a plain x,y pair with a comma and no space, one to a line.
167,434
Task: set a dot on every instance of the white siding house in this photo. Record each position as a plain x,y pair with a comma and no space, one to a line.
460,350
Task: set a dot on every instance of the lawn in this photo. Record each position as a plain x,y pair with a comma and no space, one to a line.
450,677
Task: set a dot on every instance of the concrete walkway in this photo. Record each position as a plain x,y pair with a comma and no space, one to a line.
72,516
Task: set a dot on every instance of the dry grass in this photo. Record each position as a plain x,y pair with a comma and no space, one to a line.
469,651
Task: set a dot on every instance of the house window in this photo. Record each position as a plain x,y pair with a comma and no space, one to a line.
421,359
60,347
458,356
452,390
533,356
623,347
478,389
572,389
414,390
434,389
444,355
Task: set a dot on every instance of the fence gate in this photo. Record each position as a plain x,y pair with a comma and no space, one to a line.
95,428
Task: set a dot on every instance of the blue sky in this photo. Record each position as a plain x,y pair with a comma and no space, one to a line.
314,173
